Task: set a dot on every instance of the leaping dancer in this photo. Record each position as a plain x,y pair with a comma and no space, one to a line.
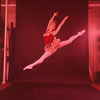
51,43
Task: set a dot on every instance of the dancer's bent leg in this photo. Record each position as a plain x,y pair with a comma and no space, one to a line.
40,60
66,42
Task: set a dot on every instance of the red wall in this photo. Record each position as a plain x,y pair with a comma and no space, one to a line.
68,64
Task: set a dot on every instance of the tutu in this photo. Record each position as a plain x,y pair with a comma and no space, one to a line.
52,46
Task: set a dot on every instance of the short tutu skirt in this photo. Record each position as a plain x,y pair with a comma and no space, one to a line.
52,46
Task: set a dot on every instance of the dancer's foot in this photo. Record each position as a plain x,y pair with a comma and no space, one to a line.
81,33
28,67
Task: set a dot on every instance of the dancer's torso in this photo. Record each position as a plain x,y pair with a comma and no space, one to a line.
48,38
51,43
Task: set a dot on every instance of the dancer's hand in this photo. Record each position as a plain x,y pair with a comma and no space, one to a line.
81,33
55,14
66,17
28,67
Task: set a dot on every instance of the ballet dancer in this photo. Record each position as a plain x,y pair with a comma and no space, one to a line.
51,43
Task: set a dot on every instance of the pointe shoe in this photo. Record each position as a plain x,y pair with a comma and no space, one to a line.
28,67
81,33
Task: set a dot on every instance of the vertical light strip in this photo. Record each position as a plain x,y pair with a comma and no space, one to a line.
90,47
5,47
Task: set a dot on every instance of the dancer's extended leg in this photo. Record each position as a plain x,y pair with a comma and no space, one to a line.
39,61
66,42
47,54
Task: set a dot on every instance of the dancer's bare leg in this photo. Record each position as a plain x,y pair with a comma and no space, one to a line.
40,60
66,42
47,54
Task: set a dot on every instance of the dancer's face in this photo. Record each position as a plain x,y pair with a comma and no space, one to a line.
52,26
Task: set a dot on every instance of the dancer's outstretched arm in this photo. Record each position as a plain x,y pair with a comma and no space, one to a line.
60,25
51,20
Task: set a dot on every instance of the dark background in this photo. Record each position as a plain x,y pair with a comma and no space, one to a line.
68,64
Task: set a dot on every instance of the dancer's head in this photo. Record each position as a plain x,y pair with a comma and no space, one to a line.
53,25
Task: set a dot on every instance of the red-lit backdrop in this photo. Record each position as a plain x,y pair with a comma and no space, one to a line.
68,64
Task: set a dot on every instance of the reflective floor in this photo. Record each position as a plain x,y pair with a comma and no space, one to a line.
42,91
